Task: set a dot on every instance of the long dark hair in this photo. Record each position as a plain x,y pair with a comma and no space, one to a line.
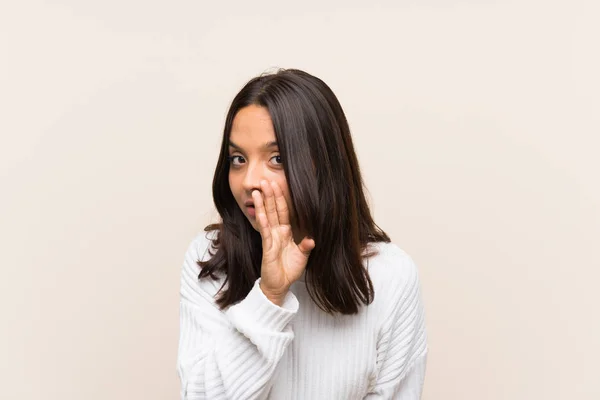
326,190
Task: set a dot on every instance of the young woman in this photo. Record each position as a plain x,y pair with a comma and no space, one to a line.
296,293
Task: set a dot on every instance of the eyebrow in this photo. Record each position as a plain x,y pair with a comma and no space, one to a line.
265,146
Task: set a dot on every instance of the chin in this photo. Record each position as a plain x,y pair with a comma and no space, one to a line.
253,223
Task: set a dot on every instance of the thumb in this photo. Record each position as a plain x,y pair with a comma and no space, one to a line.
306,245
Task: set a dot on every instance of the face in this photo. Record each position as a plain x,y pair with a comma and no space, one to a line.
254,156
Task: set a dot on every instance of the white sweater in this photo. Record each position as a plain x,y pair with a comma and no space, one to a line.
258,350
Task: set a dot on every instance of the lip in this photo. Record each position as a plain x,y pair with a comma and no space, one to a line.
251,211
249,202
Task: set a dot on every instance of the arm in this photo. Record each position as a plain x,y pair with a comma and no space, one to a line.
229,354
402,342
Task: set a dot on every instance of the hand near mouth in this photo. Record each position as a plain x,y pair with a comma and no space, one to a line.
283,261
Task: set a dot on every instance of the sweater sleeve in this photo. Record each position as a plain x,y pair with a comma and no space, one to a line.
232,353
402,341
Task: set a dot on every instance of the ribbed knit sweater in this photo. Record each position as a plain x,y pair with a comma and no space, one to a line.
255,349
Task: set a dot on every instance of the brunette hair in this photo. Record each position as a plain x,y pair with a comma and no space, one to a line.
325,187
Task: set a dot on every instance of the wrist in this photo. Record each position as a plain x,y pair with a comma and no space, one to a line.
275,298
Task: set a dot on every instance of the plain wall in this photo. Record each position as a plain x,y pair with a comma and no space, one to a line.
477,128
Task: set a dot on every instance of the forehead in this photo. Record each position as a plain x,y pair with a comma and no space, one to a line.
252,126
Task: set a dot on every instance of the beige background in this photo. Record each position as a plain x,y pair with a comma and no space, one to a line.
476,124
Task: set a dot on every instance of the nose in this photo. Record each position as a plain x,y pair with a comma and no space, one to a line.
252,179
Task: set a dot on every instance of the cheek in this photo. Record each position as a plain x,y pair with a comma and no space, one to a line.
234,186
288,199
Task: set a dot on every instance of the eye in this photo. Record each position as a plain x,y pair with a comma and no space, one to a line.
277,159
236,160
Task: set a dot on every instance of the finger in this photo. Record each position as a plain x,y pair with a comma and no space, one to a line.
261,219
306,246
282,206
270,207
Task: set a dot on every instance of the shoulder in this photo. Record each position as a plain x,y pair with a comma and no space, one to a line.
199,249
392,271
398,301
391,263
200,245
